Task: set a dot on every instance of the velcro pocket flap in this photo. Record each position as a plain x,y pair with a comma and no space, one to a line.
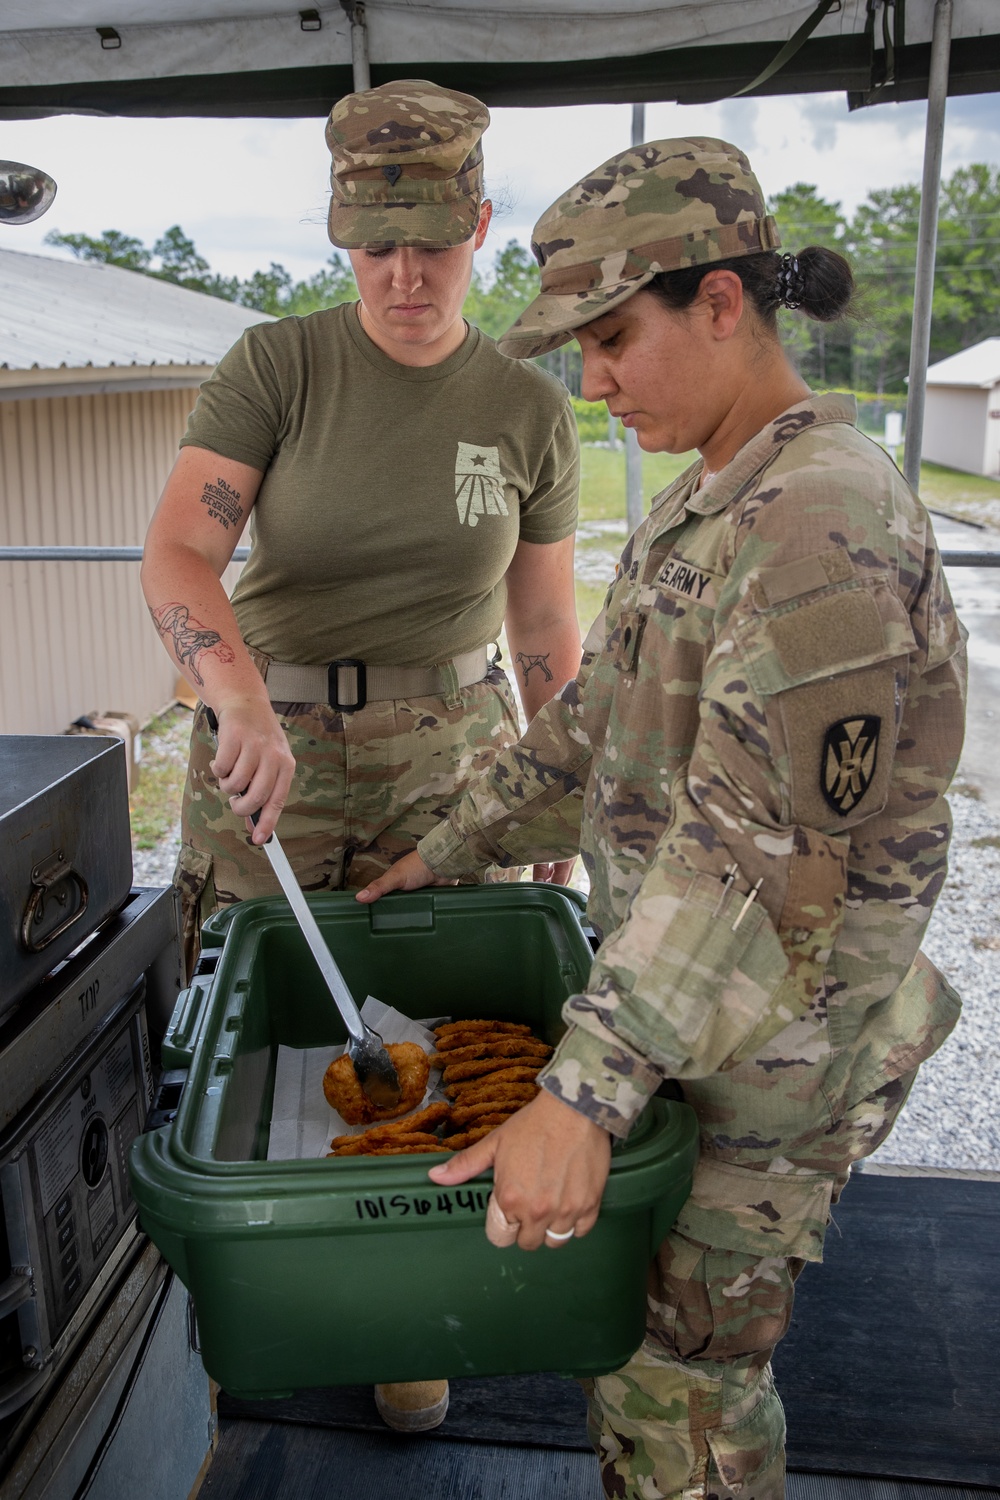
852,625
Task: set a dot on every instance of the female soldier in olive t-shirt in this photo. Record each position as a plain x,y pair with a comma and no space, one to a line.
411,490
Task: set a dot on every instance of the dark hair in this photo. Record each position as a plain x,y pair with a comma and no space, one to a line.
817,281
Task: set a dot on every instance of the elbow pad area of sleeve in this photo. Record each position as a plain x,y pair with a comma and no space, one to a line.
692,984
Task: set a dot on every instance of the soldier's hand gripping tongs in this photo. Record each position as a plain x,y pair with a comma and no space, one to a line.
372,1063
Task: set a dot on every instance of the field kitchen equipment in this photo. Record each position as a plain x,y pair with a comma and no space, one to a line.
89,973
65,851
326,1272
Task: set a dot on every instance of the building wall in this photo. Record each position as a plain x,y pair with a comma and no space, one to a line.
75,637
955,427
992,465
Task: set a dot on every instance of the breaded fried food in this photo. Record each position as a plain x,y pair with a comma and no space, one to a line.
379,1137
514,1046
345,1094
479,1090
427,1118
458,1090
457,1039
485,1122
511,1028
462,1115
369,1143
397,1150
469,1137
477,1069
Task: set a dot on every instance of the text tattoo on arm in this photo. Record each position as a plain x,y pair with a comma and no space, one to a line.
528,663
223,503
188,639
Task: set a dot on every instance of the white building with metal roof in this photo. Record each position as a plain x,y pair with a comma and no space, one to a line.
962,416
67,324
99,369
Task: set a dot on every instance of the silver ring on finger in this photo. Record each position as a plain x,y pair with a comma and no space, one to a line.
550,1234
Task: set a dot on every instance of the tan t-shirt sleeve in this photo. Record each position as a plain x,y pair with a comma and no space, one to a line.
550,512
239,411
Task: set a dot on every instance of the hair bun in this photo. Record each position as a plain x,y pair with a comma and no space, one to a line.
823,283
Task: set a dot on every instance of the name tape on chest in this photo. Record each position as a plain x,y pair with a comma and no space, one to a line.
690,581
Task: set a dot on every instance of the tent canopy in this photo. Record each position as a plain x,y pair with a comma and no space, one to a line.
257,57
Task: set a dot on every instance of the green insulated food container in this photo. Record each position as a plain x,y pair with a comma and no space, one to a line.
358,1269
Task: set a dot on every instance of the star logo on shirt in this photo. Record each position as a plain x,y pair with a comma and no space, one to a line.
479,483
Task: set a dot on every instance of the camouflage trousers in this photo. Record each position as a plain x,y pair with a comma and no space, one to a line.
367,786
694,1415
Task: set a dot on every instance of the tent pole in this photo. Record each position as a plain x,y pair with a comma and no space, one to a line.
359,44
923,290
633,453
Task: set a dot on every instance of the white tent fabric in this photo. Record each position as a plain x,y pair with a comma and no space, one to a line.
46,42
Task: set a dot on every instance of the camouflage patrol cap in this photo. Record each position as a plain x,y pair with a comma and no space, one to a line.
407,166
657,207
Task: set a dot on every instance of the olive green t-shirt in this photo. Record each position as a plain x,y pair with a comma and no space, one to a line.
393,497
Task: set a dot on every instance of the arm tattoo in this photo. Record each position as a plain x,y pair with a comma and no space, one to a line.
529,663
188,639
223,503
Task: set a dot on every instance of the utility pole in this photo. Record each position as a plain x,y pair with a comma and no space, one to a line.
633,453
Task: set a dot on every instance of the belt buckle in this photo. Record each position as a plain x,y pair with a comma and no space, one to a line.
361,679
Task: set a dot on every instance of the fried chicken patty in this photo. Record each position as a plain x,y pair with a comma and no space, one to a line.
344,1092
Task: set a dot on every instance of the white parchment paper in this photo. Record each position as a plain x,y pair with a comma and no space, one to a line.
302,1123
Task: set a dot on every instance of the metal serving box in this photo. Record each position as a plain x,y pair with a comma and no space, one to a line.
327,1272
65,850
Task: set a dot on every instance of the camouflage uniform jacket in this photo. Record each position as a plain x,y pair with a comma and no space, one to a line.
767,716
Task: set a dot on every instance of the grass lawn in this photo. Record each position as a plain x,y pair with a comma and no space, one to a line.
602,480
950,489
155,802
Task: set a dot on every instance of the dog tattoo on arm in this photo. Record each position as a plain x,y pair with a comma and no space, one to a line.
528,663
188,639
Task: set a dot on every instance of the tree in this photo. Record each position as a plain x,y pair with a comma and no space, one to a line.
112,249
967,274
883,243
270,291
496,298
822,353
327,288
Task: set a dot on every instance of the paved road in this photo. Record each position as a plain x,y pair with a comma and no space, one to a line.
977,598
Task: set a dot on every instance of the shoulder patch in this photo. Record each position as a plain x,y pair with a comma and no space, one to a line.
850,754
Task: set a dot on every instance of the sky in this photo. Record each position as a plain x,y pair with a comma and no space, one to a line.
249,192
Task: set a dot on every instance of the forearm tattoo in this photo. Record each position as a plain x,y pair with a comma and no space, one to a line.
223,503
188,639
528,664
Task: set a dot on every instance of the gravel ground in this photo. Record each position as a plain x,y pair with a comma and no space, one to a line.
952,1118
156,866
979,512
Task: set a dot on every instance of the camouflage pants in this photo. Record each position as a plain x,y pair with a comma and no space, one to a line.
367,786
694,1415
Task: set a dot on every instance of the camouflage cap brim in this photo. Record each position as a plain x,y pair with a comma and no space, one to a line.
659,207
554,317
385,226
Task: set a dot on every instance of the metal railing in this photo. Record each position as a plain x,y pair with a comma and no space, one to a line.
134,554
87,554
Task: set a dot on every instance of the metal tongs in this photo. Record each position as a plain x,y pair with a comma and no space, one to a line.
372,1063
